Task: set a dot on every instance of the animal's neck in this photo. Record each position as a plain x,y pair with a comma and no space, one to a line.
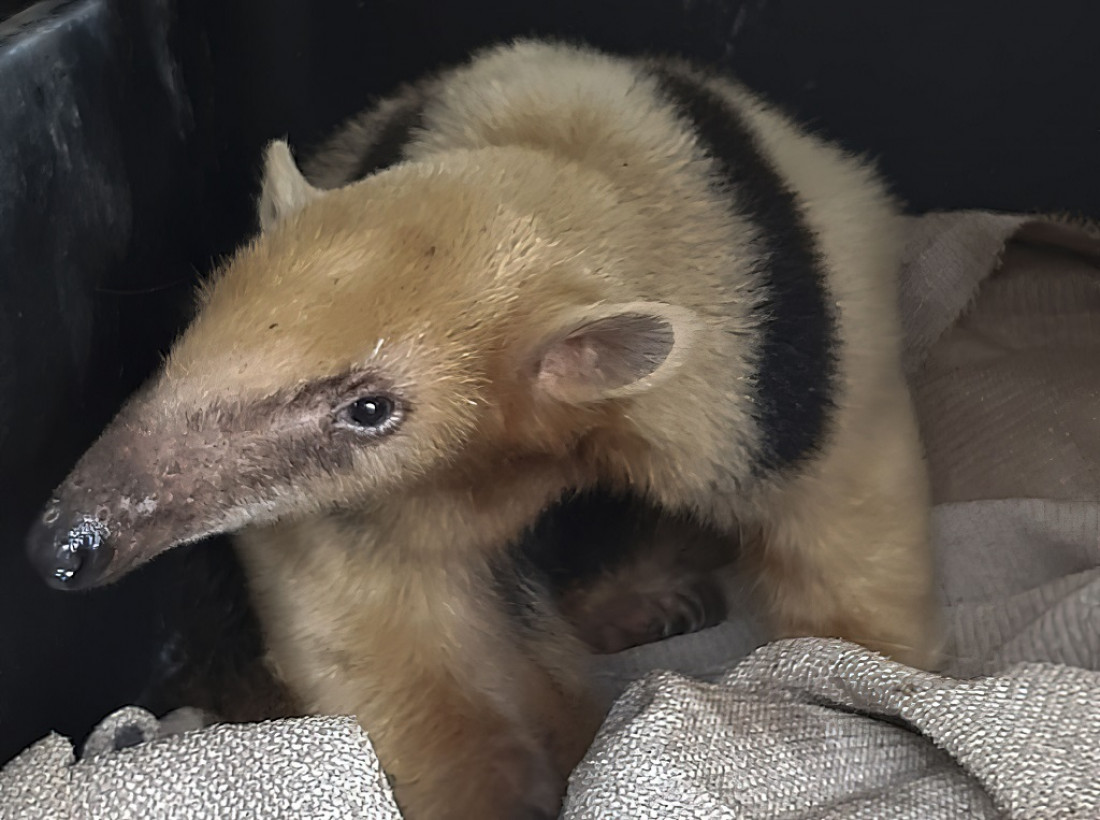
464,523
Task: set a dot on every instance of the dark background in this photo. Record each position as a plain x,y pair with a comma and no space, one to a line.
129,138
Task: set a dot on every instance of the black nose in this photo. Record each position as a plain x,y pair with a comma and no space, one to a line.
69,559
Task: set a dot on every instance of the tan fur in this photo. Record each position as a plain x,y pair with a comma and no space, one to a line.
465,723
470,281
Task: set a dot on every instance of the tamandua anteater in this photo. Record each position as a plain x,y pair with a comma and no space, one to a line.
546,271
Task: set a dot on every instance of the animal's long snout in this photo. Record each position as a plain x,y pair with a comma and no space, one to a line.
150,482
160,476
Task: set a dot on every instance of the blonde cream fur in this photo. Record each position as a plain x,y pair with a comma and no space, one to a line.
549,190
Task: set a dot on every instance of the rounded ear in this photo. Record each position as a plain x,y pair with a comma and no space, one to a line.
609,351
285,190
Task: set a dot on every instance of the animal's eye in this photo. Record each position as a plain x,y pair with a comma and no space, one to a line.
370,412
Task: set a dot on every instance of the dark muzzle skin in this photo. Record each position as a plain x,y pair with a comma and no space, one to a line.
69,559
152,481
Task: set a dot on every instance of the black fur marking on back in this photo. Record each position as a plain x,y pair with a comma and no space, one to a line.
389,148
796,372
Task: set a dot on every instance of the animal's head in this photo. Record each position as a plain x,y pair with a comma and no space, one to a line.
411,328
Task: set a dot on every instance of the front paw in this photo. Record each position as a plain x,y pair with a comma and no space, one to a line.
615,618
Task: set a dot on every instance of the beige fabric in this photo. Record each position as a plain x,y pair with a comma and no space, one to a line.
1010,395
304,768
824,729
